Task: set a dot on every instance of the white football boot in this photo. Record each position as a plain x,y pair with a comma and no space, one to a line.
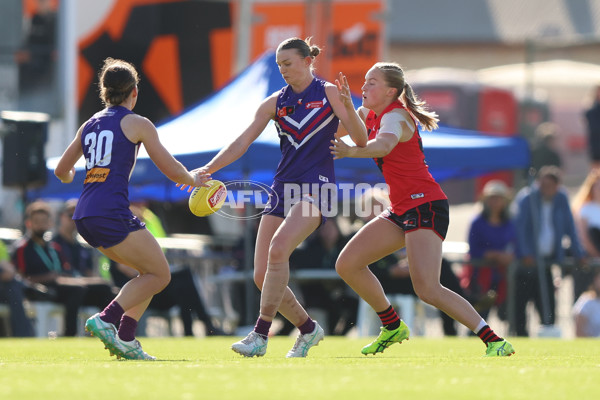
305,342
252,345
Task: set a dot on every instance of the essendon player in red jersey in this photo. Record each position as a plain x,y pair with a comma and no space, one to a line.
417,219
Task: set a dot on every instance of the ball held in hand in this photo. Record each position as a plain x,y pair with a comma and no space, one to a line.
204,201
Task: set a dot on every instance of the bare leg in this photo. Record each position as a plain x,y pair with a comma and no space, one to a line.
374,241
140,251
289,308
276,241
424,250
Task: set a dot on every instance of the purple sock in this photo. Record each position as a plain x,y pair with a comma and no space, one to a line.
112,313
307,327
262,328
127,328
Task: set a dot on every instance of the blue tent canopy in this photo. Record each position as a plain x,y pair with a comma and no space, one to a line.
198,134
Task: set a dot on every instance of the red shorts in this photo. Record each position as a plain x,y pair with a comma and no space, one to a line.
434,215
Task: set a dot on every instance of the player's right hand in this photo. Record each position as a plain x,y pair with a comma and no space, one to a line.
200,175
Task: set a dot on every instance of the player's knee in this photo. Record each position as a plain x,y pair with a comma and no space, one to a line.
342,266
164,279
278,252
427,293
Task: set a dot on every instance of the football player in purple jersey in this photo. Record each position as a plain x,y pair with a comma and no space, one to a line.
109,141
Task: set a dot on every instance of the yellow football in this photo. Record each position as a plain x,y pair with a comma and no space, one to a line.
207,200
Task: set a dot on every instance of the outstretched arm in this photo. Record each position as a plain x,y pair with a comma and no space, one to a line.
140,129
237,148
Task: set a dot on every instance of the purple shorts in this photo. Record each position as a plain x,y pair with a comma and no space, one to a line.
284,195
107,231
433,215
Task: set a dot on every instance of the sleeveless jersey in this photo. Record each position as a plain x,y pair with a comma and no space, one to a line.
305,123
110,158
404,168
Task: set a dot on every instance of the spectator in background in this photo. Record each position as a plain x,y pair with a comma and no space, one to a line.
586,210
543,151
12,294
543,219
80,258
42,262
592,116
587,309
492,241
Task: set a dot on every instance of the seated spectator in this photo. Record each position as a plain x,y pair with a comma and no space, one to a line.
320,251
586,211
80,258
12,294
492,241
587,310
40,261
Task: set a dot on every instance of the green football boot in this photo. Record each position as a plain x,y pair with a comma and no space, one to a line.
499,349
387,338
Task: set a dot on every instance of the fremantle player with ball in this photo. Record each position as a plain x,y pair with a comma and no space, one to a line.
110,140
306,113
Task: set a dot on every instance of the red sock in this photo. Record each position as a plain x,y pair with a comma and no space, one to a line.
488,335
389,318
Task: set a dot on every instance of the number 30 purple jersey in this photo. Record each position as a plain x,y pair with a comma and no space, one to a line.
110,158
306,124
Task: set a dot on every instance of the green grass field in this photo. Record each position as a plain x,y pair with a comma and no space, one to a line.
422,368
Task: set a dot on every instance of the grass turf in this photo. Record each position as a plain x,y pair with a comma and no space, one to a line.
422,368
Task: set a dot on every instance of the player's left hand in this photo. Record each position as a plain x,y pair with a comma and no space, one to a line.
339,149
344,91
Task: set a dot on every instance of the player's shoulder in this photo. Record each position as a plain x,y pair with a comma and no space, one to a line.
363,112
270,102
134,120
399,112
397,115
137,128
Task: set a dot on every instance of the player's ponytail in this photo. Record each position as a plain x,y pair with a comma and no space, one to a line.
394,77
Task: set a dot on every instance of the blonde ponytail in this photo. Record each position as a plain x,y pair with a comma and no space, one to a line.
394,77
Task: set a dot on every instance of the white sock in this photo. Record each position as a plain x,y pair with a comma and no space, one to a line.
482,323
